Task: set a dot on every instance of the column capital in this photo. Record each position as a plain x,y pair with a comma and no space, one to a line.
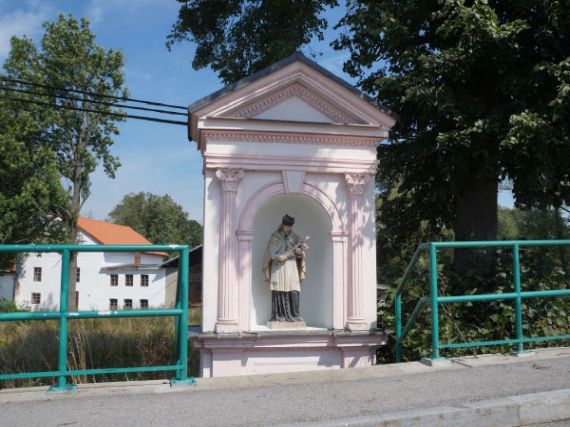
229,178
356,182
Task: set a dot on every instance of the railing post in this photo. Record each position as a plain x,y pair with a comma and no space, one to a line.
518,300
434,302
182,324
62,384
398,320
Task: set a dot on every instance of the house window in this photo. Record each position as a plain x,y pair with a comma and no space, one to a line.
128,280
128,304
144,303
114,280
37,274
113,304
36,298
144,279
78,275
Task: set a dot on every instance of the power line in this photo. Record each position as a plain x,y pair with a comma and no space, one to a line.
93,101
89,110
122,98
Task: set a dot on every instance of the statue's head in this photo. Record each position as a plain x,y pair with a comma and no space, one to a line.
288,220
287,224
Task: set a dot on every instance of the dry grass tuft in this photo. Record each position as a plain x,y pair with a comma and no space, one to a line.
32,346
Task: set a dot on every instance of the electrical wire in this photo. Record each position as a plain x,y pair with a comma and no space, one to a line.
122,98
93,101
89,110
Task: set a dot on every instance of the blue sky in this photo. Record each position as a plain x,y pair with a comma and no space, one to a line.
155,158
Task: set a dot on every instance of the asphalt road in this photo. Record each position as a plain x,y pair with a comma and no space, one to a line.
292,403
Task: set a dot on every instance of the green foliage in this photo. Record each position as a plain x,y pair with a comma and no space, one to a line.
66,143
541,269
480,88
158,218
237,38
31,196
8,306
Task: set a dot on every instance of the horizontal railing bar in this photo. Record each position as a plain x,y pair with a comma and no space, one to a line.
47,315
92,248
547,338
509,341
476,297
147,312
26,375
507,295
545,294
501,243
478,343
34,315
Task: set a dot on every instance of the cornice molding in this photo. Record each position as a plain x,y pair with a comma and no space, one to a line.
290,138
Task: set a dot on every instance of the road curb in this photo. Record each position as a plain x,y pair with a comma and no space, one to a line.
523,410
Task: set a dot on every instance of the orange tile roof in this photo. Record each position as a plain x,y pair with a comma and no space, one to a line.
107,233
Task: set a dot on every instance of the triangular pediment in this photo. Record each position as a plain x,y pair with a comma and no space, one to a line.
293,109
296,101
290,96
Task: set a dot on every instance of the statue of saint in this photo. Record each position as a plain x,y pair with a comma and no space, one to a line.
284,271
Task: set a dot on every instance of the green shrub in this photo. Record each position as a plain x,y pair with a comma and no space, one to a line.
8,306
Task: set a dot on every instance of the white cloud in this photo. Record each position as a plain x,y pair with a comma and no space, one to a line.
27,20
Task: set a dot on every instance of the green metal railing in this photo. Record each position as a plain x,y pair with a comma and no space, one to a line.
434,299
180,312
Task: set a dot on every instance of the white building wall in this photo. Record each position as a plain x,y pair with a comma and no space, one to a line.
94,286
48,287
333,184
97,292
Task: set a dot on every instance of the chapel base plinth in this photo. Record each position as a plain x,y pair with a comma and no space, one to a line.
273,324
293,350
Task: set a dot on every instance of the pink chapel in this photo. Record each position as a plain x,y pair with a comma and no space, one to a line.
296,140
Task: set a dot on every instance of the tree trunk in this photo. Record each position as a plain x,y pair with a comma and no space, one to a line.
476,219
74,210
72,286
560,234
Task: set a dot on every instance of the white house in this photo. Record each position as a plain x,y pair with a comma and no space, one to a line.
105,280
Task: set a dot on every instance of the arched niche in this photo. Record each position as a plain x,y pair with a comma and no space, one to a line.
317,299
331,229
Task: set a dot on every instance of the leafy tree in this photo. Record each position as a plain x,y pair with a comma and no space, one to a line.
69,58
31,195
236,38
482,91
158,218
482,88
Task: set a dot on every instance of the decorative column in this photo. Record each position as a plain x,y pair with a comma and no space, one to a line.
339,240
227,321
356,183
245,269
